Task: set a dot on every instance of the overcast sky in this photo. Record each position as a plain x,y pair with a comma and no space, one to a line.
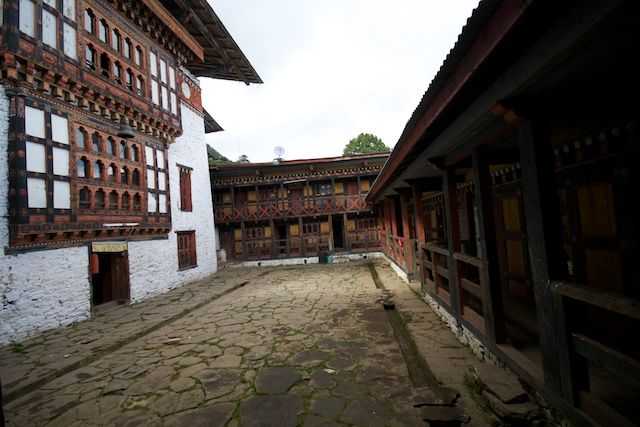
331,69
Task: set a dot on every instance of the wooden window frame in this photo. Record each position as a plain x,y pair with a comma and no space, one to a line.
187,250
186,201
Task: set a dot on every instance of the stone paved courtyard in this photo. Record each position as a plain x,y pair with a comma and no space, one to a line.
309,346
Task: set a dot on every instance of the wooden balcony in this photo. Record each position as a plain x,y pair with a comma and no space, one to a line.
306,245
291,208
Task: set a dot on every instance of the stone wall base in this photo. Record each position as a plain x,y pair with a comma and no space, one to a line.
333,259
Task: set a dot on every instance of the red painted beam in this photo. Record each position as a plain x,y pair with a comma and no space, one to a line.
493,32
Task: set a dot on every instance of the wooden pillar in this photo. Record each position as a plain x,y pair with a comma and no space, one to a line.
233,201
453,236
404,212
545,246
418,212
244,240
301,235
281,198
273,238
490,274
331,248
409,249
345,234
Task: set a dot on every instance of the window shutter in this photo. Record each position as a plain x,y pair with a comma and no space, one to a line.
185,190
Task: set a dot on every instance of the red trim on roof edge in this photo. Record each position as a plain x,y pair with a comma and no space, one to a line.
492,32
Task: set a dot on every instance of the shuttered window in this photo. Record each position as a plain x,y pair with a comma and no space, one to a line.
185,190
187,249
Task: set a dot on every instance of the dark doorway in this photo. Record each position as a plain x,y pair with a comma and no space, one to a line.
280,239
338,233
518,299
110,278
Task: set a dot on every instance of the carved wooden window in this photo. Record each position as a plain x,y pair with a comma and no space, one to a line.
140,86
138,56
96,141
126,201
105,67
113,200
69,9
90,57
82,168
186,203
137,202
163,84
117,72
124,151
97,170
124,176
127,47
152,203
112,171
111,146
129,79
311,228
69,41
89,21
47,138
135,178
27,17
187,254
81,137
103,31
100,200
85,198
156,179
155,95
49,29
116,40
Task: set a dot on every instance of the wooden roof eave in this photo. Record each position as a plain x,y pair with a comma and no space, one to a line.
218,45
177,28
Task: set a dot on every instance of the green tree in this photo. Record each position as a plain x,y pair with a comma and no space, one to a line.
365,143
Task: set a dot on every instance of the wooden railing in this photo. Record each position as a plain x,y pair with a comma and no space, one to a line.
402,251
267,248
471,280
290,208
363,240
436,271
437,279
623,368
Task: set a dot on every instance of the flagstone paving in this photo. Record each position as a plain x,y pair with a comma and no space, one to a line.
46,356
300,346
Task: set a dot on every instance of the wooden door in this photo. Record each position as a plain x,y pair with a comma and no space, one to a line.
120,276
518,300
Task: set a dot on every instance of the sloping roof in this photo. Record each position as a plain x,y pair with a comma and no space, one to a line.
295,162
489,22
210,125
223,59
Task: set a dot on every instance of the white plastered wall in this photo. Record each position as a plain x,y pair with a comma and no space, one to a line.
154,265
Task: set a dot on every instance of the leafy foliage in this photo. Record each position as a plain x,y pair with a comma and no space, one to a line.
365,143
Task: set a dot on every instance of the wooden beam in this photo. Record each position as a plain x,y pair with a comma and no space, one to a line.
178,29
488,250
544,242
615,303
207,35
453,237
622,366
426,184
